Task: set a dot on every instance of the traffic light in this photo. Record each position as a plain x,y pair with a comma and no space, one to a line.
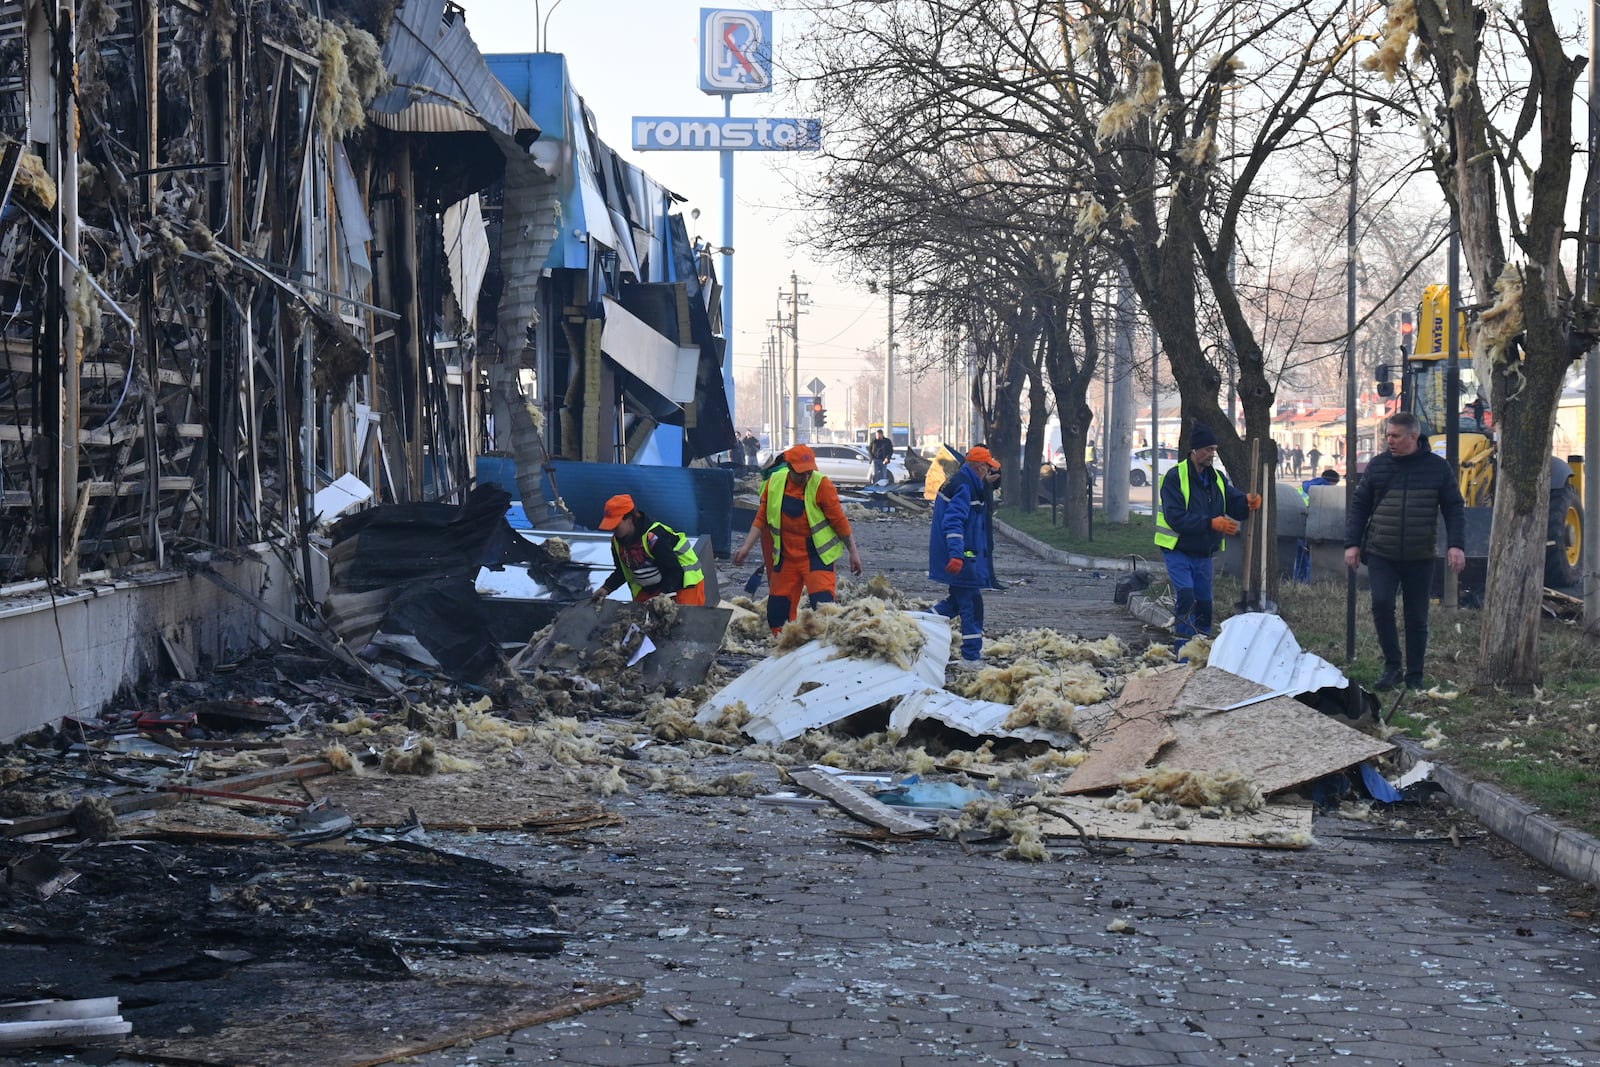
1408,329
819,415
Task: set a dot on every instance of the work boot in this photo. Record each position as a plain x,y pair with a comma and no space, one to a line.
1390,678
967,666
1414,683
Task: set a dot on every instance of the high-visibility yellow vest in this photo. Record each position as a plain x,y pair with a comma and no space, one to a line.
687,559
1165,538
824,540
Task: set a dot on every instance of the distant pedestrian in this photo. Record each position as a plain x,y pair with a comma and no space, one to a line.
752,448
961,547
1198,510
1314,457
881,452
1393,528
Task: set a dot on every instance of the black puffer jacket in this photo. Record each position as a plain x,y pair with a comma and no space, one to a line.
1397,505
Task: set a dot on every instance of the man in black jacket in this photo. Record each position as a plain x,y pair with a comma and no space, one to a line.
882,451
1393,527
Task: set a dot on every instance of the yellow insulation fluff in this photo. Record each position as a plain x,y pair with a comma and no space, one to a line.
865,629
1226,790
1397,30
1503,321
1127,109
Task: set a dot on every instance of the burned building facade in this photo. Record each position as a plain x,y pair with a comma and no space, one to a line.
249,249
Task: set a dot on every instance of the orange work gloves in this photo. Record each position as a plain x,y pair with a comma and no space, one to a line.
1254,501
1225,526
954,566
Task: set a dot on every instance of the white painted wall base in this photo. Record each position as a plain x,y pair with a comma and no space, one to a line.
70,655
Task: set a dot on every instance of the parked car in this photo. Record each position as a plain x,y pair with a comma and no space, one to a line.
1139,465
851,465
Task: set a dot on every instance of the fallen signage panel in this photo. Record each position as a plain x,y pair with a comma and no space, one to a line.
1278,825
816,684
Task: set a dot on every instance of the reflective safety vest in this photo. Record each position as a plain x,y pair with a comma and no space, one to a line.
824,541
1165,538
687,559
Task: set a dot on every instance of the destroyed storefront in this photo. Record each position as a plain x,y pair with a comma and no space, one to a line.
253,250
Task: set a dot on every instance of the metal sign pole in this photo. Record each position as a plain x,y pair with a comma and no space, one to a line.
727,268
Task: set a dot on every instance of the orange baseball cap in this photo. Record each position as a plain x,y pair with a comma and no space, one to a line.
617,508
981,454
801,458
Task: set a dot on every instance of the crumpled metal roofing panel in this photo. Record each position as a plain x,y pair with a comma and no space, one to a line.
1262,648
437,66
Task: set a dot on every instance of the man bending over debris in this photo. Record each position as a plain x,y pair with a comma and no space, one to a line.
803,507
1199,509
652,557
961,547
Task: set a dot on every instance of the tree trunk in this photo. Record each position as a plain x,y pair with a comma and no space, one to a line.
1033,446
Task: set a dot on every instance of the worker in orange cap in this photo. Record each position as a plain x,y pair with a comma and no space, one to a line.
652,557
961,547
802,505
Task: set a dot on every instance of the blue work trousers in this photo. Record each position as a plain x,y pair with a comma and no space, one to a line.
1191,591
965,602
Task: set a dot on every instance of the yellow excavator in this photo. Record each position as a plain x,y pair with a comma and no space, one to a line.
1422,392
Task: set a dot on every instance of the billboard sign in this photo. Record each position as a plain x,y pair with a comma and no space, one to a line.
654,133
735,51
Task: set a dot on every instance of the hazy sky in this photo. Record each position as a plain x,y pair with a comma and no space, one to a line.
640,57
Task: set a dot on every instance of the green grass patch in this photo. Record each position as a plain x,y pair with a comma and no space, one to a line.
1135,537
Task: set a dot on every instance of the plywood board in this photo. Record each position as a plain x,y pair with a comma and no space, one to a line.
1124,746
1278,825
416,1018
1278,743
459,801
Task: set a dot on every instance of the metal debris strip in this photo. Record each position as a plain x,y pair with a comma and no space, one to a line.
859,805
31,1023
815,685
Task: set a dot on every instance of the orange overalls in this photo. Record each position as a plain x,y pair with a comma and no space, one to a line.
793,566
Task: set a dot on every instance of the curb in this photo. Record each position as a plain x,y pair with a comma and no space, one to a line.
1071,559
1564,849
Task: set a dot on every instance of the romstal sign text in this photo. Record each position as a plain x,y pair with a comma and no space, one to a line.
653,133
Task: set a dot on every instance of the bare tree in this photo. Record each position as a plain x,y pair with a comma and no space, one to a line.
1495,78
1113,114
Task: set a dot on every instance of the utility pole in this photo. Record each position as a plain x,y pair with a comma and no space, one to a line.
888,366
794,353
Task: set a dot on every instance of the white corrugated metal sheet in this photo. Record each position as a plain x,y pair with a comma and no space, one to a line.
1262,648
